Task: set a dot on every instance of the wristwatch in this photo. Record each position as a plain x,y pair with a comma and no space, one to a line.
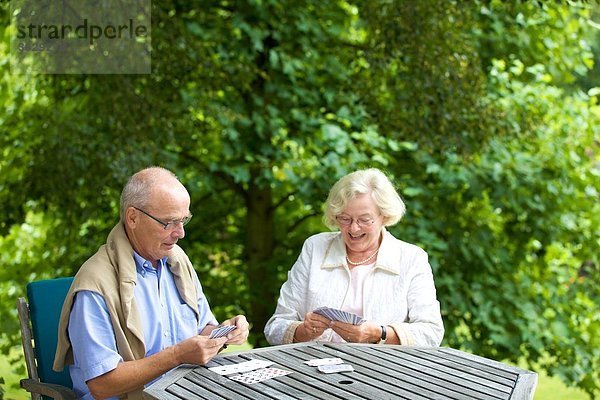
383,335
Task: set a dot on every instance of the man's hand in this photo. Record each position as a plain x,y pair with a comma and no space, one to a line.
239,335
197,349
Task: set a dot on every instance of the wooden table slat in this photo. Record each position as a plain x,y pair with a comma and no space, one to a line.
185,389
162,395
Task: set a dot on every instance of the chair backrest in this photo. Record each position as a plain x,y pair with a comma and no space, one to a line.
45,299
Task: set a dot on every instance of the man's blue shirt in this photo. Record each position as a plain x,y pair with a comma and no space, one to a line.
166,320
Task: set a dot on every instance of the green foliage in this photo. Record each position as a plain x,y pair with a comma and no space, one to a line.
537,32
525,221
259,106
422,78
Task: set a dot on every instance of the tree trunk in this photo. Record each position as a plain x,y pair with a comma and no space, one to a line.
259,250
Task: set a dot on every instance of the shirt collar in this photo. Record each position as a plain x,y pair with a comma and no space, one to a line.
143,266
387,258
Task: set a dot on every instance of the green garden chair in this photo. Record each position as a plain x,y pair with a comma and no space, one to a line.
39,332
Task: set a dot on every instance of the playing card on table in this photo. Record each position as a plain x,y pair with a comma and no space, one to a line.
259,375
323,361
221,331
330,369
339,315
240,367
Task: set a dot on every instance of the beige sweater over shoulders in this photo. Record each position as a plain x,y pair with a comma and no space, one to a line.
111,272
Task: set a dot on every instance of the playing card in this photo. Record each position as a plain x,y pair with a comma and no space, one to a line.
323,361
259,375
324,311
240,367
345,316
330,369
221,331
339,315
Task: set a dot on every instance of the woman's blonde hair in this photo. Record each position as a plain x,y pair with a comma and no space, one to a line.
367,181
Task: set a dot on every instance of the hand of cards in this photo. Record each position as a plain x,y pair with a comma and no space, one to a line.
339,315
221,331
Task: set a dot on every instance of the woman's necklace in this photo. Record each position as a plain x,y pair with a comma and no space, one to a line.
363,261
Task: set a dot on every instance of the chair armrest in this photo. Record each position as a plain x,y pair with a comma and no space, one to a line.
48,389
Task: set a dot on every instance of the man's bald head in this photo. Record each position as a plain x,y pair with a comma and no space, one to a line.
143,184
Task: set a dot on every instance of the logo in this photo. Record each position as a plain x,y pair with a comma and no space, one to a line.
80,37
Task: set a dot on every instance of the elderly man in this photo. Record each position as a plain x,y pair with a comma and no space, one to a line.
136,308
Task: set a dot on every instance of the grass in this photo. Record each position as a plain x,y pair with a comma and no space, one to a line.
548,388
553,388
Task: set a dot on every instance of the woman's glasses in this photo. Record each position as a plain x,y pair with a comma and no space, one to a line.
363,222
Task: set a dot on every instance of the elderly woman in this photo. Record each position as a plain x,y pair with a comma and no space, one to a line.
361,269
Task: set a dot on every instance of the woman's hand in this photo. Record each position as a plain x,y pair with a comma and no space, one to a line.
311,328
366,332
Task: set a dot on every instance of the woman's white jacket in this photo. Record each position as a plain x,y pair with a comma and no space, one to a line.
399,290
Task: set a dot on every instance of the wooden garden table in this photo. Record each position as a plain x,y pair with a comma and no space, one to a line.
380,372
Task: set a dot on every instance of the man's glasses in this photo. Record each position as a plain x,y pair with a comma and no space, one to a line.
363,222
168,225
